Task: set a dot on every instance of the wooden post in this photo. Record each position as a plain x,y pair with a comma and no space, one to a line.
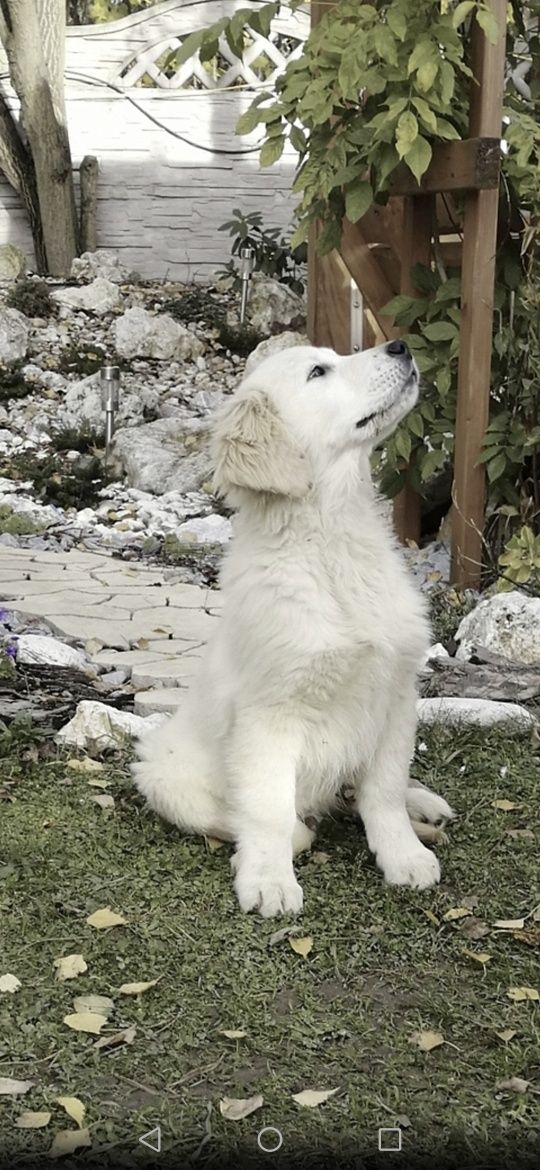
88,182
418,217
478,275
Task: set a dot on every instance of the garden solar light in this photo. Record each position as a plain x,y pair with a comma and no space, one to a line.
247,256
110,400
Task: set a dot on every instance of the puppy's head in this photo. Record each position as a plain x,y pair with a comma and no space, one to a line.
301,409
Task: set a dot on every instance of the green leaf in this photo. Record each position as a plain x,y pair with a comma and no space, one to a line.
446,130
424,51
406,133
496,468
462,11
440,331
418,157
426,113
357,201
329,238
488,24
248,121
272,151
397,21
432,462
444,381
426,75
298,139
397,305
189,46
415,424
403,444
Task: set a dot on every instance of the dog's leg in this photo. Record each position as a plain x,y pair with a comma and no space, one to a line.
261,767
381,802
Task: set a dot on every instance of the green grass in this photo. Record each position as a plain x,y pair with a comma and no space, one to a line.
384,965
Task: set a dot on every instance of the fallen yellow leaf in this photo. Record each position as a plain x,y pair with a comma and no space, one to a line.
478,956
102,919
104,800
214,844
136,988
98,783
301,946
10,983
505,805
69,1140
457,912
29,1120
432,917
126,1036
102,1005
519,994
235,1108
85,765
510,923
86,1022
312,1097
426,1041
232,1033
73,1107
319,857
69,967
12,1088
506,1034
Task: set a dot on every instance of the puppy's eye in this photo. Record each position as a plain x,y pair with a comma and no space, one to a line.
317,372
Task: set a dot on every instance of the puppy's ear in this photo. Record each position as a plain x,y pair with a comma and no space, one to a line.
250,448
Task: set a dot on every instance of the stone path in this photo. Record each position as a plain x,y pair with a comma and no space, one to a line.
141,620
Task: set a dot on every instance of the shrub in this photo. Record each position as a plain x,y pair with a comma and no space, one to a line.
31,297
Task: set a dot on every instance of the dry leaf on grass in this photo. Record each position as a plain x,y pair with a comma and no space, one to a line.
279,935
29,1120
11,1088
235,1108
86,1022
506,1034
478,956
104,801
99,783
509,923
432,917
530,937
85,765
101,1005
319,857
233,1033
536,914
126,1036
526,834
520,994
513,1085
73,1107
137,988
505,805
313,1097
426,1041
69,966
457,912
301,946
9,983
102,919
213,844
69,1140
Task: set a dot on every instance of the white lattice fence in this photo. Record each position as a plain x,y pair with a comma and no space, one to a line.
171,166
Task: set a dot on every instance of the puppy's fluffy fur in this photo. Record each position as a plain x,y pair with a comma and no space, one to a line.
309,680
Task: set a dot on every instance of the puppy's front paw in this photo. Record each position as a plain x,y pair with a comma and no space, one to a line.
417,868
270,894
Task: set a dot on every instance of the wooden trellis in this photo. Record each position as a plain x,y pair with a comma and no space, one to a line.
378,254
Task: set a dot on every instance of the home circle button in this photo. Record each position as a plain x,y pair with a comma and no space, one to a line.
270,1139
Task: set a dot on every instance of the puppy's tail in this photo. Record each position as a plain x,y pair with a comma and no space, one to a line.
175,774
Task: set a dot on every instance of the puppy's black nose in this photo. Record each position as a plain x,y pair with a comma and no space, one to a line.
398,349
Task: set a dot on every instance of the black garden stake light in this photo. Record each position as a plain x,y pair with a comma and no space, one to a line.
247,257
110,400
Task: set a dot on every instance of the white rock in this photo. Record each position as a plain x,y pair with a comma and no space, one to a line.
102,263
436,651
507,624
37,650
139,333
12,262
14,329
480,712
98,725
164,456
273,345
162,700
213,529
274,306
100,297
82,404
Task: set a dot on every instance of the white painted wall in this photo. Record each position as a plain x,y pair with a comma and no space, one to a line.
160,199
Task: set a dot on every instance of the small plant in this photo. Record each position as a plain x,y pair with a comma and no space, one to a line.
31,297
195,305
520,561
66,485
85,440
274,254
13,384
240,339
17,523
87,360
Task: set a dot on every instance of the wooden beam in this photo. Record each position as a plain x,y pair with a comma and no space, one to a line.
360,259
470,165
417,227
329,299
477,288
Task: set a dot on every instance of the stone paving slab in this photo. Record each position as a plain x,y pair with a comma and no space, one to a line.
146,620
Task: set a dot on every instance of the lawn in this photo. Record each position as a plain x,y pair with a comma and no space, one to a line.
389,971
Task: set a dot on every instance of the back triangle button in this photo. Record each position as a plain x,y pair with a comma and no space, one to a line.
152,1139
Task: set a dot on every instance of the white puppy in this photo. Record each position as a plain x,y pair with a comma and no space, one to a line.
309,681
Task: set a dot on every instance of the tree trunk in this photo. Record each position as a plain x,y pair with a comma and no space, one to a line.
33,35
18,167
88,183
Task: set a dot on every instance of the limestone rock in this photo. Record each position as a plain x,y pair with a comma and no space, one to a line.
37,650
273,345
14,330
82,404
101,263
99,726
480,712
12,262
274,306
166,455
100,297
139,333
507,624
